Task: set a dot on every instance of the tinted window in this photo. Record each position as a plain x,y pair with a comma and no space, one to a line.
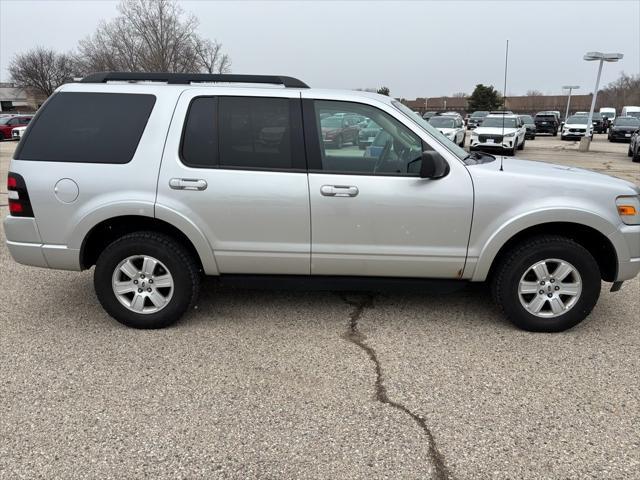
626,122
200,138
260,133
395,150
87,128
500,122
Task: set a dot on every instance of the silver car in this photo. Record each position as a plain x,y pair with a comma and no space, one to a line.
159,179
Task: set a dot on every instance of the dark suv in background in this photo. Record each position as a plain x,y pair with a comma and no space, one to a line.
623,128
476,118
547,123
599,125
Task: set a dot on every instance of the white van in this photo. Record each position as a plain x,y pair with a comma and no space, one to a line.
629,111
608,112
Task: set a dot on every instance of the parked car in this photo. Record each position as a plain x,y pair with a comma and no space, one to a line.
158,184
18,132
428,115
367,134
576,127
503,132
530,125
630,111
340,129
451,127
599,125
623,128
634,146
476,118
546,122
8,123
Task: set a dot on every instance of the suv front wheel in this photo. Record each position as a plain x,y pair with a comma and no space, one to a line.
146,280
547,284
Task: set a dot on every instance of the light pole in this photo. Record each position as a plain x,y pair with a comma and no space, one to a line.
603,57
569,87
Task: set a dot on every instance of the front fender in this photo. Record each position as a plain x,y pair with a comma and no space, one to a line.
483,251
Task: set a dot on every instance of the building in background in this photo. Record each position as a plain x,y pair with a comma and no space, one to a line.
517,104
19,100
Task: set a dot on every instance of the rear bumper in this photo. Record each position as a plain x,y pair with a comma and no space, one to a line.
26,247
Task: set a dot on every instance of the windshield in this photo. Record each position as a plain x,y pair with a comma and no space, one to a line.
442,122
577,120
597,116
626,122
434,132
526,118
479,114
498,122
371,124
331,122
3,121
634,114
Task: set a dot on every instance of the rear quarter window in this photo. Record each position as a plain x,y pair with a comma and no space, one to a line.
87,128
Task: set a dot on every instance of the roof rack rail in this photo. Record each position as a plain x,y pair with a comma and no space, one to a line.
187,78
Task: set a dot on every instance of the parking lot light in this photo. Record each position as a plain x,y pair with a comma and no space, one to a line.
569,87
602,57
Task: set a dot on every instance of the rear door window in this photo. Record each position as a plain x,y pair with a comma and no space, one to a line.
259,133
87,128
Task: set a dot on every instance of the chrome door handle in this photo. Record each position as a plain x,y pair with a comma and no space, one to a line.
187,184
339,190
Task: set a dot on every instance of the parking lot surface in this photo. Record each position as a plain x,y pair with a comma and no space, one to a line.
268,384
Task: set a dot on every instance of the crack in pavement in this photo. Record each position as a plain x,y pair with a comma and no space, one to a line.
353,335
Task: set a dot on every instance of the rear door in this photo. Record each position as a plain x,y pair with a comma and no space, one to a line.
234,165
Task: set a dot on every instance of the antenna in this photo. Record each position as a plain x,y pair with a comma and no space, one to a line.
504,98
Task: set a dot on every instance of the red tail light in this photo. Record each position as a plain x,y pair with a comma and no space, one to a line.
19,203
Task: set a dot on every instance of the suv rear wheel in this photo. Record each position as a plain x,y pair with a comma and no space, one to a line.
547,284
146,280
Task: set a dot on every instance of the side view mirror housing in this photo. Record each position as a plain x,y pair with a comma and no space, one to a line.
433,165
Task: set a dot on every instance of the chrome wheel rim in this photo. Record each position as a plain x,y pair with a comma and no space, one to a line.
142,284
550,288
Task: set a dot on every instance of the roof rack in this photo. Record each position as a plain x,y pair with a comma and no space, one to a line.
187,78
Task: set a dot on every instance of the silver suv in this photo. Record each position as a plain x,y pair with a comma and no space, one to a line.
159,179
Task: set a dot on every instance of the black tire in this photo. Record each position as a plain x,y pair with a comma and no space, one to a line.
629,152
562,137
533,138
521,146
555,133
464,138
339,142
356,141
636,155
515,263
180,263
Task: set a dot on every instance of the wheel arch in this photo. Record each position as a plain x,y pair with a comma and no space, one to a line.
107,230
591,238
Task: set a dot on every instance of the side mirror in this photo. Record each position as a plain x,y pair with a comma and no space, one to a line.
433,165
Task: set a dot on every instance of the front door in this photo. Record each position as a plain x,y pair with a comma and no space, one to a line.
239,174
371,214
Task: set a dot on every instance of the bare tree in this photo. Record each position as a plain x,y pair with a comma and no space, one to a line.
210,56
42,69
534,93
151,36
623,91
459,95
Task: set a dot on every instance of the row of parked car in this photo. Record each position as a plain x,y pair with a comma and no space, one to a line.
10,122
